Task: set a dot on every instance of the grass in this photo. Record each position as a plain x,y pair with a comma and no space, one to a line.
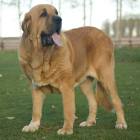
16,101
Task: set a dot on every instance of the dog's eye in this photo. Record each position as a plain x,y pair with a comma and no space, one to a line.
44,14
56,12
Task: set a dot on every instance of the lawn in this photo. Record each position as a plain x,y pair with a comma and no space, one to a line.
16,101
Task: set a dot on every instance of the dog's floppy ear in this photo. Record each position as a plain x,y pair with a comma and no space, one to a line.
26,24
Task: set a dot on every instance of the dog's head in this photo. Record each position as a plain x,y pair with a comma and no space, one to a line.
43,22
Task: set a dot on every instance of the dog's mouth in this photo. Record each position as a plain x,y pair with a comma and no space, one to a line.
48,40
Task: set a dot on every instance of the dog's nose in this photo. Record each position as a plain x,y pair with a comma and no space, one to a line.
57,19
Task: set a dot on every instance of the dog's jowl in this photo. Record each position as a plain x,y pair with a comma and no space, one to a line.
56,62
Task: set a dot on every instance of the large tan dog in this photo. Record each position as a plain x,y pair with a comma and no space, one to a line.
56,62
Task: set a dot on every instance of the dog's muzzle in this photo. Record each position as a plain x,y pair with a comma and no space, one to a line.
53,37
58,23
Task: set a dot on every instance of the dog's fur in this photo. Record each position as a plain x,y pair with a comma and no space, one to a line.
87,54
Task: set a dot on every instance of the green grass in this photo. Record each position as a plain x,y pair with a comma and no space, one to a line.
16,101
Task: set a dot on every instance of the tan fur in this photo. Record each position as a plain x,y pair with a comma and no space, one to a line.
87,54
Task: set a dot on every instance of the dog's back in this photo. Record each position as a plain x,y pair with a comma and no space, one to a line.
90,41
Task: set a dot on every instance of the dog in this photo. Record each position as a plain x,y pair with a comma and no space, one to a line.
56,62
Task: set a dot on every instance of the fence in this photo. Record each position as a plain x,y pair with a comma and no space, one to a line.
127,42
13,43
9,43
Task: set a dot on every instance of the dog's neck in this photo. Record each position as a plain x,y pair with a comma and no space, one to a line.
38,55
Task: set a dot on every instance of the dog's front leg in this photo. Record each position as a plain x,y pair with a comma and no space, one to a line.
38,97
69,109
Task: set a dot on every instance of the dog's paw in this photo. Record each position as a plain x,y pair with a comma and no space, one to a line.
64,131
83,124
30,128
121,126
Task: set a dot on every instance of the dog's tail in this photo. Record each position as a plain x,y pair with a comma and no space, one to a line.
102,98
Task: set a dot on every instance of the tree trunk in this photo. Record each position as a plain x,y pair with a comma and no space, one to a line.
90,12
19,15
131,25
30,4
1,19
51,2
120,19
137,26
59,7
117,24
84,9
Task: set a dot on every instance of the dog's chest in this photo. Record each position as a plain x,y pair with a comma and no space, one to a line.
42,78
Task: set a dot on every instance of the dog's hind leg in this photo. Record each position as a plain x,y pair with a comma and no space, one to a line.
87,89
38,97
107,79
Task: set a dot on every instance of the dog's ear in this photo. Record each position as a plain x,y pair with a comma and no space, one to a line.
26,24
